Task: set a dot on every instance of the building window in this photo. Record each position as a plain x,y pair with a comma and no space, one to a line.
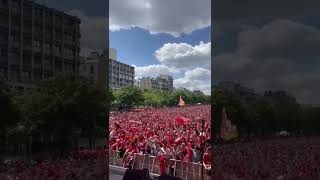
91,69
3,51
56,49
37,44
4,2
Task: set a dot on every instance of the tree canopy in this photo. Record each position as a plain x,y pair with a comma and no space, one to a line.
61,110
130,96
266,114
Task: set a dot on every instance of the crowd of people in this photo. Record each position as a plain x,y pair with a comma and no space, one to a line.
157,132
80,165
279,159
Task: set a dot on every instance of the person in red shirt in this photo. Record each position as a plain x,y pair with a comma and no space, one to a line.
207,160
128,155
162,163
189,152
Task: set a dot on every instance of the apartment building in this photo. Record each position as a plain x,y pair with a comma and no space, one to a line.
165,82
120,74
245,93
162,82
36,42
95,67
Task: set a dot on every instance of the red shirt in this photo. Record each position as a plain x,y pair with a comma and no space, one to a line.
133,150
171,140
162,164
189,154
207,158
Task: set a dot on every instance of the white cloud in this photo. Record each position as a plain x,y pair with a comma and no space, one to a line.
154,70
196,79
185,56
282,54
174,17
192,62
198,74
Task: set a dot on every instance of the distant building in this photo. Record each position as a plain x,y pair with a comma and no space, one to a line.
162,82
198,91
183,89
144,83
113,54
280,94
137,82
120,74
36,42
245,93
165,82
95,67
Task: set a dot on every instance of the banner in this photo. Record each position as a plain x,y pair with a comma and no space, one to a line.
181,102
228,131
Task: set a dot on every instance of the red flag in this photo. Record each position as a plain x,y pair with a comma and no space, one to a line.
182,120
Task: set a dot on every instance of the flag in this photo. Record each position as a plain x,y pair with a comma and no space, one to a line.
178,139
183,120
228,131
181,102
111,133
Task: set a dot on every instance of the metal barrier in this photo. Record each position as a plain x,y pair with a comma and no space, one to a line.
112,157
155,167
137,161
148,162
184,170
194,171
178,169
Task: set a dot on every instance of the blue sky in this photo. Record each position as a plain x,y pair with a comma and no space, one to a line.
164,37
137,46
190,62
140,29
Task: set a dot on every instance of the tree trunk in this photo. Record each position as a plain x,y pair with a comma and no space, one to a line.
91,142
28,149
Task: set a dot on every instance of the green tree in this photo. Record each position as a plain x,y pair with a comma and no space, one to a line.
153,98
129,96
235,110
263,116
198,97
173,98
310,123
66,108
287,110
9,113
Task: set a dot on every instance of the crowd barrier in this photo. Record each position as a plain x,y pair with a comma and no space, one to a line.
184,170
